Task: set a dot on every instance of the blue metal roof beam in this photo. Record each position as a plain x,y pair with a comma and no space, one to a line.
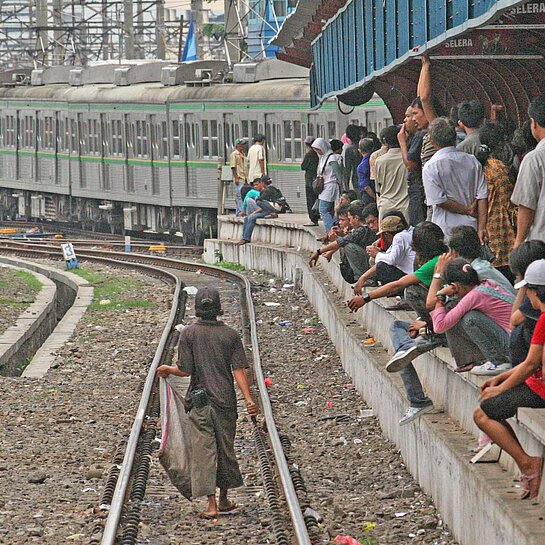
391,34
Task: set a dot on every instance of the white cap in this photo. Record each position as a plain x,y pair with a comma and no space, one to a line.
535,275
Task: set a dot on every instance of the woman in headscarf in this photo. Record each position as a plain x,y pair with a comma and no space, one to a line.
330,170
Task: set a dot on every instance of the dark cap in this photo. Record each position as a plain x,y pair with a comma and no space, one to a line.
207,301
266,180
259,138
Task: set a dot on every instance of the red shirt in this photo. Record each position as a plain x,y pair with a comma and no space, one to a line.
536,382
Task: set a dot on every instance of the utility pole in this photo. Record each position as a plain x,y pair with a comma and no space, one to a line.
42,38
58,33
128,29
233,31
161,33
197,11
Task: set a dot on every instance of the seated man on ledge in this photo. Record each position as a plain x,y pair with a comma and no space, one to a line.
354,258
268,195
521,386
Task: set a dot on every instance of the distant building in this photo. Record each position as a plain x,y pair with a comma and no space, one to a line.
265,17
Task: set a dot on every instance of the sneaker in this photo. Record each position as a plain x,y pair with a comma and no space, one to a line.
423,344
490,369
413,413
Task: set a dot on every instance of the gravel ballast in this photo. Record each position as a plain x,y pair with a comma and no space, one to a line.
60,432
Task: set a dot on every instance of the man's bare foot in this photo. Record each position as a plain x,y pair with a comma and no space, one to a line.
227,506
208,515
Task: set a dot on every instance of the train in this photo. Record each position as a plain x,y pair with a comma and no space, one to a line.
139,148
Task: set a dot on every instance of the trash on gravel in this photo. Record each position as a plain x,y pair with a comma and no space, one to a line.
399,515
89,490
309,330
345,540
311,321
272,290
268,381
287,286
285,323
179,327
371,341
337,417
366,413
357,441
271,304
191,290
321,357
368,526
329,404
198,271
311,513
104,302
299,386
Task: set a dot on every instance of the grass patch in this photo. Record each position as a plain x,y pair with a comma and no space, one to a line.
12,302
31,281
113,289
230,266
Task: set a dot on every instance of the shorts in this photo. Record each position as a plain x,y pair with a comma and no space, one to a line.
505,405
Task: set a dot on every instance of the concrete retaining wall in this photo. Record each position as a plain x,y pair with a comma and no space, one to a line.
478,502
73,296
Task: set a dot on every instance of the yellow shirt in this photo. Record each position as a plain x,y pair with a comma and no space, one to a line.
239,162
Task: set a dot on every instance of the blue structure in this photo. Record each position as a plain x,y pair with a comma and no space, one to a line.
487,50
264,20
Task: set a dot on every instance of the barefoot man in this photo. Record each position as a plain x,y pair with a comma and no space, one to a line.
211,353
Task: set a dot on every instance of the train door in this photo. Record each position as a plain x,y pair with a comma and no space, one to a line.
115,153
230,135
193,153
91,154
177,157
154,128
11,144
27,145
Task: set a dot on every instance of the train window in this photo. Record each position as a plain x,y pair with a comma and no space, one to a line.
142,146
176,148
48,131
28,132
74,143
253,128
117,138
214,138
246,129
205,141
164,139
297,140
331,129
197,139
92,135
10,132
355,122
1,132
288,141
371,121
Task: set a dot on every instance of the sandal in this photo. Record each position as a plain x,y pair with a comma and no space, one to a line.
227,509
207,516
464,368
531,483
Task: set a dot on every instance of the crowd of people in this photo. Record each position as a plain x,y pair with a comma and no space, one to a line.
447,214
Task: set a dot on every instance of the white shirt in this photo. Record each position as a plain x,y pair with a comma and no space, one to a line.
400,254
530,189
453,175
331,184
255,154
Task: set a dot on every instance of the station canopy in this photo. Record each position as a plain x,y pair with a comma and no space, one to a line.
486,50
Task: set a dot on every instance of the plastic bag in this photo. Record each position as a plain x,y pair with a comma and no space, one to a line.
175,450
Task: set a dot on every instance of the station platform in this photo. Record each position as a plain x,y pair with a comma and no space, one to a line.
479,502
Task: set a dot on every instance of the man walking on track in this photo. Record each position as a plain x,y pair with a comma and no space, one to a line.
211,353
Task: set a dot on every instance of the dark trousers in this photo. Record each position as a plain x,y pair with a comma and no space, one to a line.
417,207
388,273
313,215
415,296
213,460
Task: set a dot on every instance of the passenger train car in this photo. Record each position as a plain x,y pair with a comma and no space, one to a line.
132,155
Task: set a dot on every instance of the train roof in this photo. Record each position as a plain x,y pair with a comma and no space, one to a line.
291,90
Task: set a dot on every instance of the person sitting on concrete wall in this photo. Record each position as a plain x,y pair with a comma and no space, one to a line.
354,258
397,259
522,386
479,322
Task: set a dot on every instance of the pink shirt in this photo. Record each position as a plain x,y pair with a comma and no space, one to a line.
495,308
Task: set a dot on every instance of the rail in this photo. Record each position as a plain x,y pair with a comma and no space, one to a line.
300,530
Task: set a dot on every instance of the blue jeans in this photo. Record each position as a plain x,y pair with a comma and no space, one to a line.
326,208
401,341
249,224
251,206
238,198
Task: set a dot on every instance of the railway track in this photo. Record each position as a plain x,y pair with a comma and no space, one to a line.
126,484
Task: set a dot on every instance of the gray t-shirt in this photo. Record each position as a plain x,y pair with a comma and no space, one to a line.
486,271
530,189
209,351
471,143
453,175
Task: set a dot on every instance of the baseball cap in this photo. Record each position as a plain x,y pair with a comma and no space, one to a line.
259,138
207,300
266,180
535,275
241,141
391,224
